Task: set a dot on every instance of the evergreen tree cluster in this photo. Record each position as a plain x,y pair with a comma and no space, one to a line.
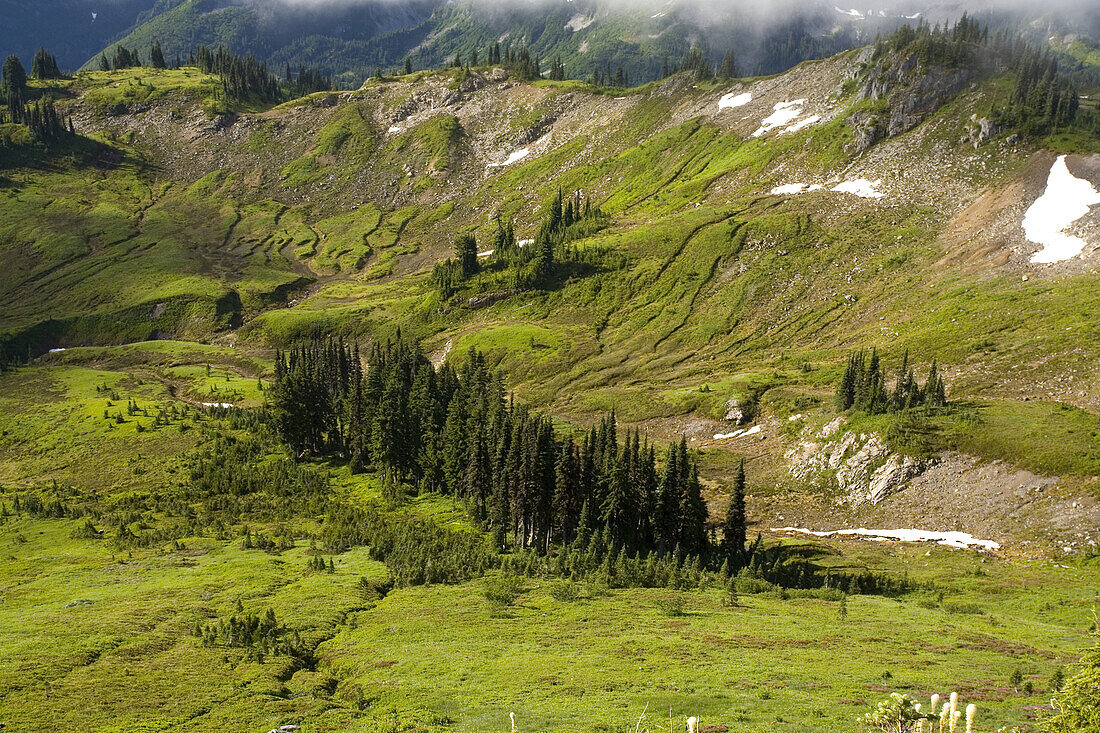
13,86
565,220
696,62
863,386
44,65
557,70
247,78
948,46
728,68
41,116
243,77
259,636
454,432
156,56
1044,99
124,58
45,122
225,484
603,77
305,81
789,44
519,61
231,479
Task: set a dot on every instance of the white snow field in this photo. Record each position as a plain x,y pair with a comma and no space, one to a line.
796,188
1066,199
860,187
784,113
742,433
734,100
801,124
960,540
514,156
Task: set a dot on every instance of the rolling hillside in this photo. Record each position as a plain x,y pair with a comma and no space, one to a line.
749,244
697,260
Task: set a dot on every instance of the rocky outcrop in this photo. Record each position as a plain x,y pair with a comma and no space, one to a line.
910,92
737,411
862,466
980,130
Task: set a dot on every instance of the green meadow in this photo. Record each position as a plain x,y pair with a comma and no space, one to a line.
87,613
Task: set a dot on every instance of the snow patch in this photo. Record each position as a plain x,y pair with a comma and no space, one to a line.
792,418
512,157
524,242
1066,199
733,100
788,189
852,12
657,15
860,187
802,124
783,114
742,433
394,128
960,540
218,404
486,253
56,351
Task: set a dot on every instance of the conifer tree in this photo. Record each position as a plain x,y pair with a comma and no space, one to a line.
44,65
13,84
466,254
156,56
734,527
728,69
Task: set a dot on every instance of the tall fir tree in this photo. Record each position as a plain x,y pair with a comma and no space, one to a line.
734,528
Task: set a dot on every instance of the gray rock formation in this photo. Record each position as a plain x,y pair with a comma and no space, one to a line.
862,466
910,93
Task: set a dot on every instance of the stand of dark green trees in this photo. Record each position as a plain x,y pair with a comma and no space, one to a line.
236,486
1043,99
863,386
566,220
455,432
44,65
41,116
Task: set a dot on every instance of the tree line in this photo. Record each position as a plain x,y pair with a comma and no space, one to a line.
41,116
531,264
863,386
243,77
238,484
1043,98
455,432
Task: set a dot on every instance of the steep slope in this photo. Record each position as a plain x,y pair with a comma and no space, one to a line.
748,247
73,30
349,40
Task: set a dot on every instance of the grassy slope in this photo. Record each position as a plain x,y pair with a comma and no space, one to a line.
741,284
440,658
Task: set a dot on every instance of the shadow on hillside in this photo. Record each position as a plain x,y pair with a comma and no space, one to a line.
75,152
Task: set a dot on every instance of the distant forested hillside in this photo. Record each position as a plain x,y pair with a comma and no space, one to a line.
73,29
